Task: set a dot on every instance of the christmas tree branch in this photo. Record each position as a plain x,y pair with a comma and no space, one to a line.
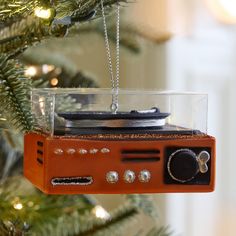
26,32
144,203
42,214
82,8
129,37
65,215
27,28
14,94
122,217
163,231
15,9
76,8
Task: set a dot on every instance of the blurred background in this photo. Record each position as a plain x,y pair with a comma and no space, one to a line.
200,56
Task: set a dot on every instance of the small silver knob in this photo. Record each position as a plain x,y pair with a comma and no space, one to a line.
112,177
129,176
144,176
203,158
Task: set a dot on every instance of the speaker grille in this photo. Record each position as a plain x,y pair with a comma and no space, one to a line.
140,155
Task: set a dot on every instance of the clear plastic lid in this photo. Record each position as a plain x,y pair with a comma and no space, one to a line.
87,111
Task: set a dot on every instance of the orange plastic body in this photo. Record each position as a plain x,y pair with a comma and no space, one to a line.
41,164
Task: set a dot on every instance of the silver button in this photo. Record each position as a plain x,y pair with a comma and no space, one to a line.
144,176
203,158
112,177
93,151
83,151
58,151
105,150
129,176
71,151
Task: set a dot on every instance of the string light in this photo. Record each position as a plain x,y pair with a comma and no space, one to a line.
101,213
31,71
54,82
47,68
43,13
18,206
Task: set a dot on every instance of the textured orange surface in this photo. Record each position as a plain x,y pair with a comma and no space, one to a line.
97,165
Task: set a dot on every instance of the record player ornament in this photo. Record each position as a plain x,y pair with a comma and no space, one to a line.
118,141
89,149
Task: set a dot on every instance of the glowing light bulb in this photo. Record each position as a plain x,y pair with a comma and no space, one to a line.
47,68
54,82
31,71
101,213
43,13
18,206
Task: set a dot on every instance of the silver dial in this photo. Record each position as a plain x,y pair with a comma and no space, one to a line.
129,176
144,176
183,165
112,177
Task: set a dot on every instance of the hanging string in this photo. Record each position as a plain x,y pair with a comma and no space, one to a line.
114,79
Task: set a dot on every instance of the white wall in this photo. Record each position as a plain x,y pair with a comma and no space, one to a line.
204,60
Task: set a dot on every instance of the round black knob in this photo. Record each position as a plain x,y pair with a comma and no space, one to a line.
183,165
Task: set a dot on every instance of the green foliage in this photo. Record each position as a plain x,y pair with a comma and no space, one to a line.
15,9
14,95
144,203
13,228
39,214
129,37
77,8
44,215
11,146
22,28
26,32
120,221
163,231
81,8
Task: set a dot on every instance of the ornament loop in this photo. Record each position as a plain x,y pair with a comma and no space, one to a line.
114,79
114,107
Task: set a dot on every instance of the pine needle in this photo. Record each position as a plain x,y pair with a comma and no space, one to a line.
14,95
144,203
163,231
20,28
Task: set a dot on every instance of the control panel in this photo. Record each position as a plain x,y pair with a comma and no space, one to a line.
74,166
